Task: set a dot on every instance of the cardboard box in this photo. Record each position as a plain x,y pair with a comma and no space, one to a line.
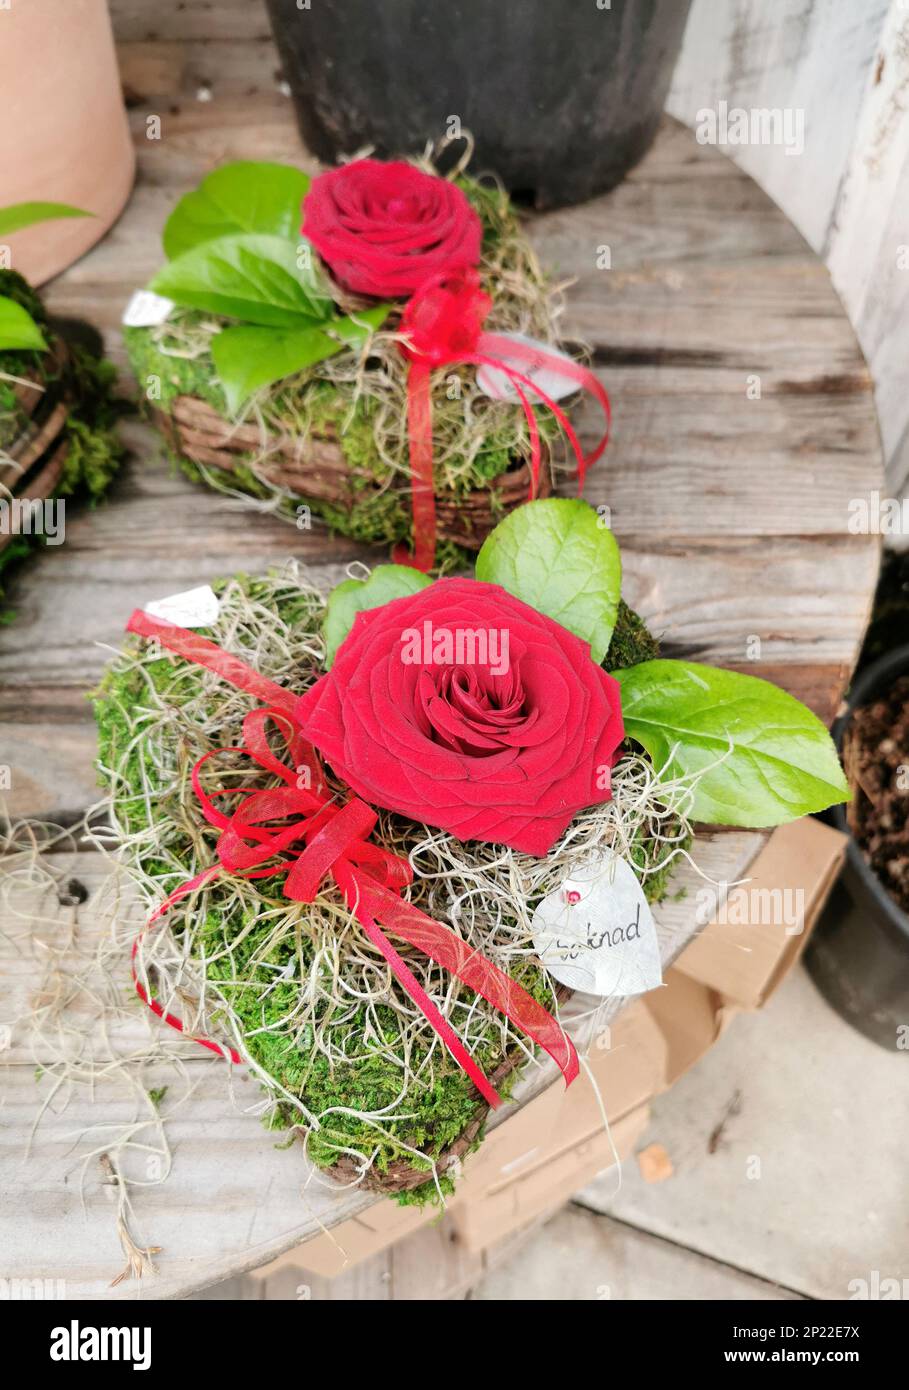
352,1241
625,1067
522,1139
481,1219
557,1143
690,1016
762,925
598,1117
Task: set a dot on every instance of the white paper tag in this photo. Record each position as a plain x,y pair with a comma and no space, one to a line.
194,608
496,384
145,309
596,932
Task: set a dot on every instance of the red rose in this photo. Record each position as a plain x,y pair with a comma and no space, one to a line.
508,748
383,229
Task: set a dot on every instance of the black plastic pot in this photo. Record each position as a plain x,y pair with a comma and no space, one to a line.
562,98
858,955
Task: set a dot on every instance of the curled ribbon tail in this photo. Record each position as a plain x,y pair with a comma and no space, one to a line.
499,351
140,981
350,884
443,324
300,830
472,967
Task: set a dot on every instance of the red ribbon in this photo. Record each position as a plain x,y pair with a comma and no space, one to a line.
443,326
325,838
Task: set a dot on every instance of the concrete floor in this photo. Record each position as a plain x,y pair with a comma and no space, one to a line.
806,1189
788,1146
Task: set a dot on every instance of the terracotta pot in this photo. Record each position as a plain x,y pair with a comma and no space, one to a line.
67,135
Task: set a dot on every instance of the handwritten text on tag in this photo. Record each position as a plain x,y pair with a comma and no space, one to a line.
596,933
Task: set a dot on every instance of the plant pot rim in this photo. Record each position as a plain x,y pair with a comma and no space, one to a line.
879,675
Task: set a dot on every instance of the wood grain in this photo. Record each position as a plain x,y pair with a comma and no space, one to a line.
232,1202
846,69
732,513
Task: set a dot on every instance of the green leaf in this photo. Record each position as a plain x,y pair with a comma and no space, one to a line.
557,556
783,763
249,277
17,328
249,357
19,215
354,596
241,197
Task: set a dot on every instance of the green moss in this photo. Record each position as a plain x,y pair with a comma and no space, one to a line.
427,1194
439,1108
94,451
631,641
308,404
15,286
380,511
162,378
17,363
150,790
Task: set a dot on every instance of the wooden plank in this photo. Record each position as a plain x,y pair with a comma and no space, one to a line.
707,597
216,71
846,69
744,59
731,512
574,1254
33,918
432,1264
213,1218
711,600
868,243
808,55
206,21
710,603
370,1281
424,1265
231,1202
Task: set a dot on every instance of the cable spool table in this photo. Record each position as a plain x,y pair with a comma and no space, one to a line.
744,426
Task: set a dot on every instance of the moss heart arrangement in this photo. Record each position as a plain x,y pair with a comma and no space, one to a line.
387,783
322,347
57,409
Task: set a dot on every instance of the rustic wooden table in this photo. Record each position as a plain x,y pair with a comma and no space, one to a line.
744,425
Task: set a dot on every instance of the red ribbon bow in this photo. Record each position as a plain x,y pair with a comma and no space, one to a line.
325,838
443,325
